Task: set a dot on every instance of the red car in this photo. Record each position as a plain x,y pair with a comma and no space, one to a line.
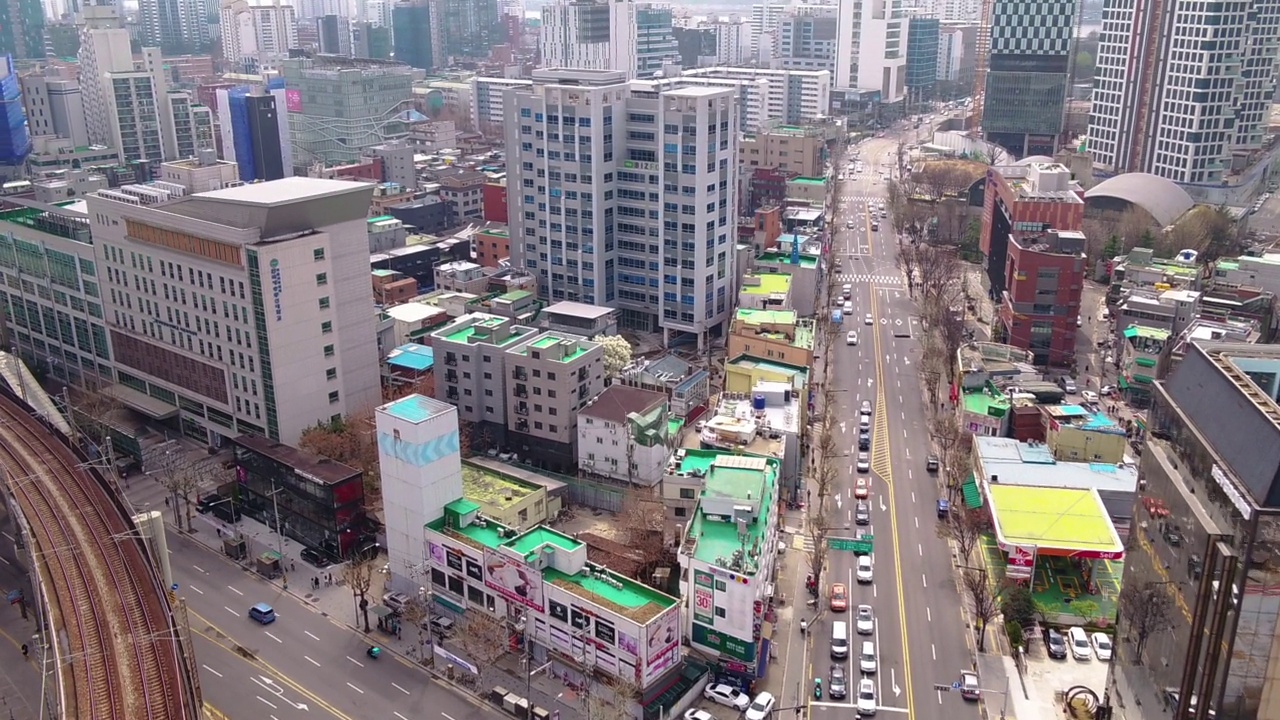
839,598
862,489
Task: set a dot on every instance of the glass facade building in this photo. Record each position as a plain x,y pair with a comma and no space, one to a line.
1028,72
922,57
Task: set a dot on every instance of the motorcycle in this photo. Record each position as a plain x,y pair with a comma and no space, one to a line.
804,625
373,652
817,688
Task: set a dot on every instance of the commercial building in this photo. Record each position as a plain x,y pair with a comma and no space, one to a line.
871,53
1032,198
1006,461
487,111
54,107
923,35
807,38
955,11
728,551
240,311
413,34
773,335
1138,360
15,140
1143,119
257,34
655,39
1083,433
345,105
798,149
333,33
468,29
179,27
732,42
1028,71
200,173
472,369
552,378
22,33
255,136
793,97
623,435
1039,309
1204,538
563,236
593,35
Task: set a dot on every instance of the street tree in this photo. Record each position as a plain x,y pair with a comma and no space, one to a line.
944,178
350,440
416,613
617,354
180,475
940,277
982,599
483,638
643,521
1145,609
358,574
610,698
818,529
965,528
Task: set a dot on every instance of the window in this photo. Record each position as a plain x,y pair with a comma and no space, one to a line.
318,254
326,327
328,351
333,397
686,493
324,303
331,374
322,279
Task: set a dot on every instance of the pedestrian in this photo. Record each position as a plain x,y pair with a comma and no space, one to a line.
166,501
330,578
315,583
293,566
24,650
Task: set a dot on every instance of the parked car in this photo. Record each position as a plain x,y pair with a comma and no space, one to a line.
395,601
761,707
931,463
864,440
696,714
839,685
1089,396
208,502
1101,646
441,625
1078,641
315,558
726,695
1107,390
867,658
1055,644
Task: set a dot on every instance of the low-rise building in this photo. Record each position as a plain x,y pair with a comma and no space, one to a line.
811,191
506,498
492,245
745,372
392,288
765,291
773,335
582,319
728,551
801,265
553,376
386,233
201,173
687,388
1083,434
409,366
1139,361
409,322
471,369
623,435
462,276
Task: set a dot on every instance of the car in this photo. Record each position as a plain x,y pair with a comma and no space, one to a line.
846,291
864,623
839,597
864,573
868,320
1107,390
1101,645
1079,321
862,514
696,714
866,703
263,613
761,707
875,225
944,509
864,439
1089,396
838,685
1078,641
210,501
864,464
865,408
1055,644
931,463
969,688
441,625
1068,385
726,695
851,338
867,658
863,489
1172,697
315,558
395,601
847,308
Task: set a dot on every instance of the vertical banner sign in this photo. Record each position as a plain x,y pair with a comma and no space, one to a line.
277,288
704,598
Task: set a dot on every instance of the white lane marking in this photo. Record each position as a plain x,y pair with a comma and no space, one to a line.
904,432
406,692
353,687
235,591
199,569
308,632
925,580
193,587
269,704
273,637
933,649
313,662
446,716
233,612
7,536
920,548
215,672
405,718
357,662
928,613
913,492
888,709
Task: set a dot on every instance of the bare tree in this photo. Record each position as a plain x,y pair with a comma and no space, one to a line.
965,528
983,601
612,698
483,638
416,613
939,279
643,519
1146,609
943,178
350,440
819,529
178,474
358,574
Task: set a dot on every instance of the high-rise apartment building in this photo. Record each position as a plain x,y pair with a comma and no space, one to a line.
22,30
733,41
104,48
627,196
62,105
1182,90
346,105
764,27
189,128
242,310
791,96
257,34
334,35
954,11
414,34
1028,70
177,27
807,38
592,35
957,56
871,48
655,39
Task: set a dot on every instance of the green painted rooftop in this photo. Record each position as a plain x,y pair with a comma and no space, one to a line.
515,295
463,334
494,232
749,362
549,340
641,602
801,329
715,538
380,218
542,535
770,283
808,181
1142,331
784,258
986,402
766,317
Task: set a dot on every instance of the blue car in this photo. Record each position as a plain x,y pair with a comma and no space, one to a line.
944,509
263,613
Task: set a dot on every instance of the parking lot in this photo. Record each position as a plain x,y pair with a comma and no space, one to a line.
1044,677
1266,218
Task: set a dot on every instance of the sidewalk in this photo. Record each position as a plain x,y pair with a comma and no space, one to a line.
20,691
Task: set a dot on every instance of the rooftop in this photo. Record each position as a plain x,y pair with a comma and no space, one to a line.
1084,418
68,225
800,331
577,309
1055,521
464,329
1149,333
309,465
412,356
575,347
416,408
798,376
1026,464
618,402
783,258
766,283
730,479
808,181
487,487
986,402
738,423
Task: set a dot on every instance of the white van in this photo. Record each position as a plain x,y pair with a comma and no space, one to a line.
840,640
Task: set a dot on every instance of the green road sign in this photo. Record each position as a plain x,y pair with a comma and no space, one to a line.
860,545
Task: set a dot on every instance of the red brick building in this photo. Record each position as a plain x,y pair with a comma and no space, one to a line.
1028,201
493,198
492,245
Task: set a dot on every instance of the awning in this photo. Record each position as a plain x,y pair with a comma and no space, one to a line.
451,605
1123,383
141,402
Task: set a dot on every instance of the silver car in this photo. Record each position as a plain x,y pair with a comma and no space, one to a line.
865,621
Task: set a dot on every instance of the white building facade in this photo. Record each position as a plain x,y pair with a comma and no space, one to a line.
104,48
257,33
622,435
789,96
599,35
871,48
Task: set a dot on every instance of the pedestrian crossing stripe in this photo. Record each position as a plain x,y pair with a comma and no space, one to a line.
885,279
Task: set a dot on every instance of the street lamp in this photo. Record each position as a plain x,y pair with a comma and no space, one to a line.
275,508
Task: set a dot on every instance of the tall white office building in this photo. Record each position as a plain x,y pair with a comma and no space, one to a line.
733,41
1182,92
591,35
764,26
871,48
768,96
954,11
241,310
257,33
624,195
104,47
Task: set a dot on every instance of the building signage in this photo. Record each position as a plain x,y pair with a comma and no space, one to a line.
513,580
633,165
277,288
724,644
704,597
1229,489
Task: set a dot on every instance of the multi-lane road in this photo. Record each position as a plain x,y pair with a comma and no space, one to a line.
919,633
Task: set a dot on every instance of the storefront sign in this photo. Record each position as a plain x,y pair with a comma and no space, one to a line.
704,597
724,644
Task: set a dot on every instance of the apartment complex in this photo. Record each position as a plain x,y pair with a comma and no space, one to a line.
1028,70
871,51
586,146
1150,53
257,34
552,376
807,38
179,27
765,96
471,368
242,310
593,35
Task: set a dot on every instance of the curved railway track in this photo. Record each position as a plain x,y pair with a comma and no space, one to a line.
108,611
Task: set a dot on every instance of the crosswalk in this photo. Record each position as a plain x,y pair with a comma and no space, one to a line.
802,541
863,277
863,198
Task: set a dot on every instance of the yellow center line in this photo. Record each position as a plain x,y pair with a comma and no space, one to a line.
884,468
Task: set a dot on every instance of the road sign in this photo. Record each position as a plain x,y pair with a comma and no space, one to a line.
955,685
860,545
942,687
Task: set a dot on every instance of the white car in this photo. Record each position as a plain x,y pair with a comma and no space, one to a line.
863,573
851,338
726,695
848,308
1101,646
868,320
867,659
762,707
1089,396
1107,390
1078,641
864,462
696,714
865,621
866,697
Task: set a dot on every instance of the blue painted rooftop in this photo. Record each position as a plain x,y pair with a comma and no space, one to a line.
415,408
412,356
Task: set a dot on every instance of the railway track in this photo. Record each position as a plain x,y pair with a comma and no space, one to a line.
121,650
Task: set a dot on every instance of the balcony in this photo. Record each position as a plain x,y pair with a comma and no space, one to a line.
583,374
522,425
450,359
522,391
451,394
522,409
451,376
519,374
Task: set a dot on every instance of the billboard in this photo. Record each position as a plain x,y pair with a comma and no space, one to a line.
293,100
513,580
704,597
661,634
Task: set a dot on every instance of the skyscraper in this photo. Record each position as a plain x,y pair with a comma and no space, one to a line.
22,28
334,32
104,48
468,28
413,34
175,26
1028,70
807,38
586,222
257,33
1180,89
15,142
655,40
591,35
871,48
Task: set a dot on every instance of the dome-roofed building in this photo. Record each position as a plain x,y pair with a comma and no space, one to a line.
1162,199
